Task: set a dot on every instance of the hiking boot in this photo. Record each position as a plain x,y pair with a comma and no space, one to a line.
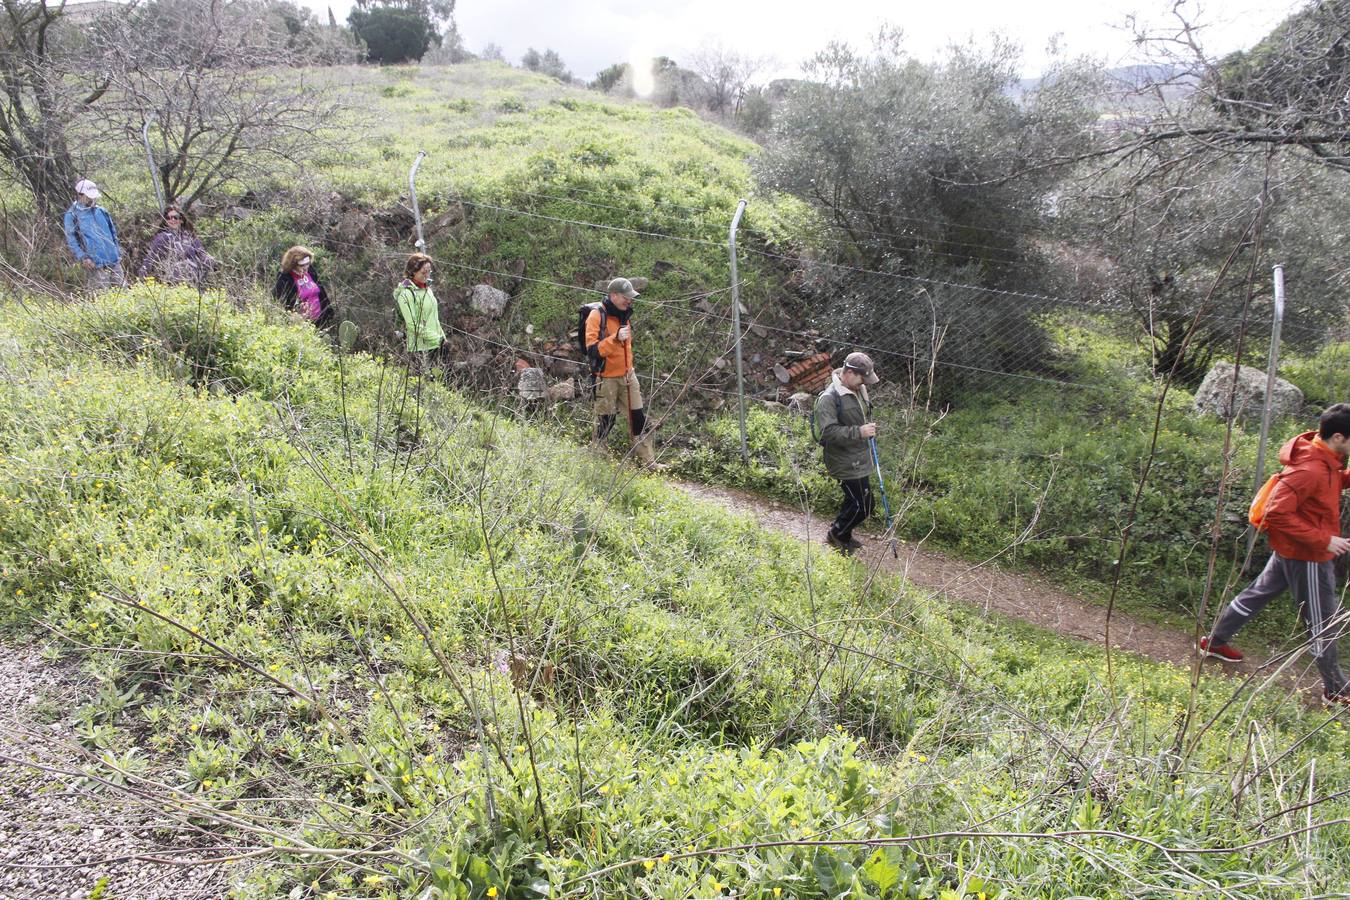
1225,652
853,544
655,468
646,455
1337,699
838,543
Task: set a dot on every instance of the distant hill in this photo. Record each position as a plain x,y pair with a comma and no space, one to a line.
1174,81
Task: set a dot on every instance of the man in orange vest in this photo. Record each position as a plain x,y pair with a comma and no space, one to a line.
1303,522
616,380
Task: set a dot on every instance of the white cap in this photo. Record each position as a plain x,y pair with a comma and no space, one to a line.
88,188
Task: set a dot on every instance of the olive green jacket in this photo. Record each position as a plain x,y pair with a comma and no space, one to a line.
847,454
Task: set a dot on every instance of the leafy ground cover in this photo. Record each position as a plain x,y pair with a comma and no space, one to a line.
403,645
1040,469
1041,472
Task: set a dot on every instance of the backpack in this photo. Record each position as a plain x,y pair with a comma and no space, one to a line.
592,353
1256,513
838,414
75,225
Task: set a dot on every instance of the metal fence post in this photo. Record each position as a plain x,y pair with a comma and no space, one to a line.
736,327
150,160
421,244
1271,367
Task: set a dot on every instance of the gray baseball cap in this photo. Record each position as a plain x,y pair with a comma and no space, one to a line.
862,364
622,286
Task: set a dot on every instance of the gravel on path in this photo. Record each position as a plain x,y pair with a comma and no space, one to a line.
61,837
1011,594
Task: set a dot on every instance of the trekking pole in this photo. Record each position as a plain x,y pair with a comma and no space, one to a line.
628,402
150,160
736,327
421,243
1272,366
885,503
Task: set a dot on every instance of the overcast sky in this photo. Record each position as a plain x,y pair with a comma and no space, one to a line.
591,34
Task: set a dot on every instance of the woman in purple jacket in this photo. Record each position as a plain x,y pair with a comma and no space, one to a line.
175,256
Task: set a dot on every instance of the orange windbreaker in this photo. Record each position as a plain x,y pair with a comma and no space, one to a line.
617,354
1304,510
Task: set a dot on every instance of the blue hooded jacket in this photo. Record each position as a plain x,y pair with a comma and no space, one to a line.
91,234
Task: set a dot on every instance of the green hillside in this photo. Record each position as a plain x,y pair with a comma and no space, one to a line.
517,168
403,645
546,190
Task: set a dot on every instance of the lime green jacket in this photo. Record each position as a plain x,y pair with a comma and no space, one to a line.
421,316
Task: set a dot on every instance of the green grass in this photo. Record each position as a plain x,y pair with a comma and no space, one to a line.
661,184
709,687
1040,472
531,153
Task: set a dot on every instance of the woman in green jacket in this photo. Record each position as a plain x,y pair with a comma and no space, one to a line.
417,305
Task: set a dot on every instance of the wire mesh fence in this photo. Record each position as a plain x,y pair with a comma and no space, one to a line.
1056,394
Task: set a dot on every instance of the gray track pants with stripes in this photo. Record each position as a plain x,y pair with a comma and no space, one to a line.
1313,585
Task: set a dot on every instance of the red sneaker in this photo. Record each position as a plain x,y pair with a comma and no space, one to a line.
1225,652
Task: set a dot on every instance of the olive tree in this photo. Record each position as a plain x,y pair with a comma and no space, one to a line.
1185,246
48,86
223,88
1239,160
920,171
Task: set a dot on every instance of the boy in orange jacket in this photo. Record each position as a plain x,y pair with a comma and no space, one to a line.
1303,523
616,382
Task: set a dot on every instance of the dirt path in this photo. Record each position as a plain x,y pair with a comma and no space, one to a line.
986,586
60,837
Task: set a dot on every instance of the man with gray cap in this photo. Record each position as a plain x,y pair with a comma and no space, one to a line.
609,346
842,425
92,238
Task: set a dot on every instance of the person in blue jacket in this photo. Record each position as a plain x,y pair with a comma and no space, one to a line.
92,238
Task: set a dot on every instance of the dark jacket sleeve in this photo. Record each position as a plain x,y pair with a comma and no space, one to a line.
284,290
73,240
828,426
152,254
197,253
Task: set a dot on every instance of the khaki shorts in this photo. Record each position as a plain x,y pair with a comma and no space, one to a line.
614,394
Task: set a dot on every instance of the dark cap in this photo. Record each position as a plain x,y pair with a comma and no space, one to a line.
622,286
862,364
